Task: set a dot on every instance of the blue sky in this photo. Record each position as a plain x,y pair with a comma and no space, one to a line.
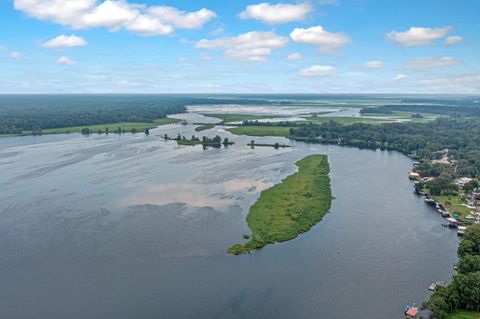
317,46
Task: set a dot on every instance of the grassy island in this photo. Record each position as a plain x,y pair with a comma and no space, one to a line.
291,207
204,127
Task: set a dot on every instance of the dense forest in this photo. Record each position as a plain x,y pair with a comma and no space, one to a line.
472,109
19,113
425,141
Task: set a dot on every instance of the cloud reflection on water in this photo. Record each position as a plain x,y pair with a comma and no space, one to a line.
195,194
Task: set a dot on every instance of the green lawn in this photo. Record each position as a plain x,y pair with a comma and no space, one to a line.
464,315
127,126
260,131
204,127
291,207
229,118
454,204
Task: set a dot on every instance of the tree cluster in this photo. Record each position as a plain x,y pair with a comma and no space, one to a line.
464,291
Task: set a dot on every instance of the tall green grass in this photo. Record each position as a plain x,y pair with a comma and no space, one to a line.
291,207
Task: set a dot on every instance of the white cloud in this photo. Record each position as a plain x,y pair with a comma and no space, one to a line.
252,46
276,13
416,36
2,48
294,57
399,78
63,60
373,65
205,57
15,55
428,63
457,83
317,70
327,41
181,19
452,40
65,41
115,15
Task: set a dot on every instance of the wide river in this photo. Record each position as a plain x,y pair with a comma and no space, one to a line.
133,226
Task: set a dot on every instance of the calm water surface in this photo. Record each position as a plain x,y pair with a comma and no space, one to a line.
136,227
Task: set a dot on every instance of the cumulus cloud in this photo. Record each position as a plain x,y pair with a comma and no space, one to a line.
452,40
317,35
457,83
65,41
417,36
294,57
252,46
373,65
15,55
276,13
63,60
428,63
181,19
114,15
317,70
399,78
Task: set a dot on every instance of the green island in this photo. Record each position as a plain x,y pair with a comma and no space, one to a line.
204,127
229,118
291,207
205,141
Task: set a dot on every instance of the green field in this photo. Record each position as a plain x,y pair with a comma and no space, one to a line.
229,118
260,131
204,127
291,207
464,315
344,120
285,131
127,126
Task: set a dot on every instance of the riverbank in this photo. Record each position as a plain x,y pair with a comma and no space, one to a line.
290,208
126,127
464,315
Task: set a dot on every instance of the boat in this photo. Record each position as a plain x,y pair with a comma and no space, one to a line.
430,201
452,222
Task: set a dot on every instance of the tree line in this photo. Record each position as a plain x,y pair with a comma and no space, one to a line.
464,291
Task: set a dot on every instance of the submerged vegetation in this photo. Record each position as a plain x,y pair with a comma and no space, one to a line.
291,207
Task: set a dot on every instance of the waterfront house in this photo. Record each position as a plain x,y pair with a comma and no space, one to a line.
411,312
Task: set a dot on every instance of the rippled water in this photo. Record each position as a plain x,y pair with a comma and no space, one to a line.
133,226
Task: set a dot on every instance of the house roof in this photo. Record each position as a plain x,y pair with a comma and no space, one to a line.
411,312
